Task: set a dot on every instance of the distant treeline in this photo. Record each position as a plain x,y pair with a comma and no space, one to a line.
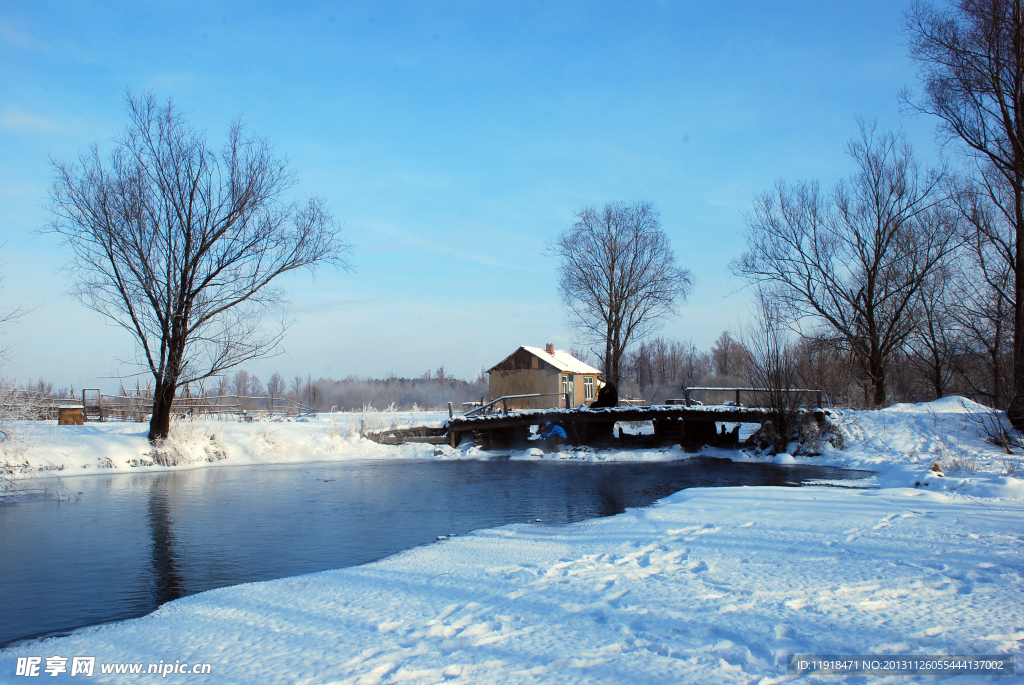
660,369
655,370
432,390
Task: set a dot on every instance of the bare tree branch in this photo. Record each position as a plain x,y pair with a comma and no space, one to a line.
854,260
618,278
180,244
971,59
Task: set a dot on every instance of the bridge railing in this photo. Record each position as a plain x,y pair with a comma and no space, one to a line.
489,407
687,399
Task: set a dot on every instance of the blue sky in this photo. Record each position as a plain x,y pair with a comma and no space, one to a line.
453,140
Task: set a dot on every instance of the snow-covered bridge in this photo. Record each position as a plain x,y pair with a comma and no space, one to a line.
673,424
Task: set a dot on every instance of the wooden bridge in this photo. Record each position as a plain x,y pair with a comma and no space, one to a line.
690,426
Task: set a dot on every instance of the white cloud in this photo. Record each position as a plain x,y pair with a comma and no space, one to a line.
18,121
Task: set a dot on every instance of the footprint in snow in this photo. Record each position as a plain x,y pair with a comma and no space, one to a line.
885,522
784,631
697,567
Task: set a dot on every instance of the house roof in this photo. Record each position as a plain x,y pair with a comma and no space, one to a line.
562,360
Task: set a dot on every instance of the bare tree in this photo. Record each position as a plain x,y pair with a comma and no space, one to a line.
180,244
241,383
619,279
728,356
984,323
854,260
971,56
313,394
823,366
275,388
660,368
580,353
772,369
932,346
8,315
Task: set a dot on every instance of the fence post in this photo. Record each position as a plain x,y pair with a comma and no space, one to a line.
686,394
737,397
504,405
451,411
820,405
362,426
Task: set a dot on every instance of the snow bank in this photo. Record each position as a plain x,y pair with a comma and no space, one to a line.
44,448
938,446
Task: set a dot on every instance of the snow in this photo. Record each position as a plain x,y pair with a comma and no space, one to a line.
707,586
561,360
44,448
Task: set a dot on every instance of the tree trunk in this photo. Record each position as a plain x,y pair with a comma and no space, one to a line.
1015,410
998,377
160,423
877,374
879,399
940,391
611,361
936,372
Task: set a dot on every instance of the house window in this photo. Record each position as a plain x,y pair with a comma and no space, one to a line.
565,384
588,388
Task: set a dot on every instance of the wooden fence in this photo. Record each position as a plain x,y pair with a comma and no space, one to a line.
100,407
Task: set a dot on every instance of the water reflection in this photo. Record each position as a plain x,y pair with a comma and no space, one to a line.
133,542
167,582
610,499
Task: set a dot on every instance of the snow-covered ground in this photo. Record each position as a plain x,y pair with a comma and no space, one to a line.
45,449
707,586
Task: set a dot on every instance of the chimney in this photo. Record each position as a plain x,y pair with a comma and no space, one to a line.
550,349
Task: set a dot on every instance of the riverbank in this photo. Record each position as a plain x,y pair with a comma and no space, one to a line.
938,445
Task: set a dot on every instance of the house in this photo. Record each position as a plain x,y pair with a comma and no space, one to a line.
547,371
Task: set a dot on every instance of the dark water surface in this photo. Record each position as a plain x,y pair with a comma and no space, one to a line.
132,542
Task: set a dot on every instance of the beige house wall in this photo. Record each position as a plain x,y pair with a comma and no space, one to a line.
524,382
544,381
579,388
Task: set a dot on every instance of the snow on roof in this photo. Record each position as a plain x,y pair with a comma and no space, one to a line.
561,360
